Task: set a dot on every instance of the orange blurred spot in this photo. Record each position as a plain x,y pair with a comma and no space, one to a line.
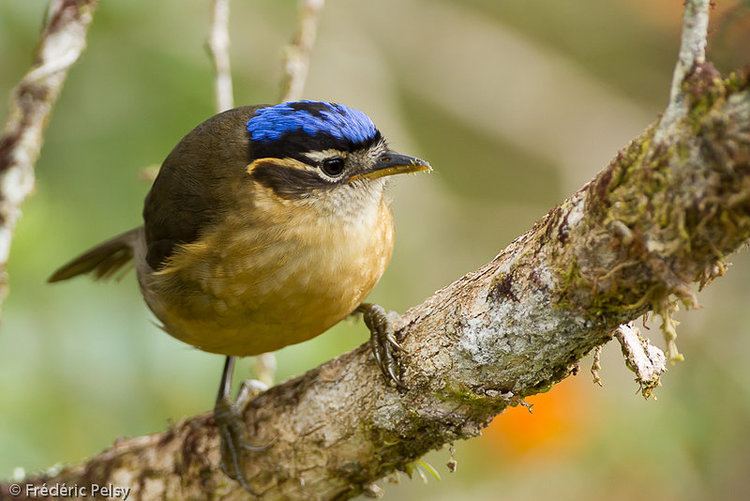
556,421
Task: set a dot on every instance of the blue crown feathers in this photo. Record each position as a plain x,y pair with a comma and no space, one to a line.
312,118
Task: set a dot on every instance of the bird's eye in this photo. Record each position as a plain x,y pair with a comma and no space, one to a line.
332,166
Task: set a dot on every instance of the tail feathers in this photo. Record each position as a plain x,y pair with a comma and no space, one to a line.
103,261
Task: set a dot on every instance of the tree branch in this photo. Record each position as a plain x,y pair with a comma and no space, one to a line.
692,53
62,40
659,219
297,54
218,51
645,360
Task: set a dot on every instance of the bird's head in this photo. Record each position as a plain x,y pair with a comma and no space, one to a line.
312,150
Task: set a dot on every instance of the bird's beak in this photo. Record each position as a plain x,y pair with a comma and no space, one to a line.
392,163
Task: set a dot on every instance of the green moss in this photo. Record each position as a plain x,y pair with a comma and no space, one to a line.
737,81
631,190
640,178
545,386
662,215
460,393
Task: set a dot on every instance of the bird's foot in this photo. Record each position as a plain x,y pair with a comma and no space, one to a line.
383,342
235,444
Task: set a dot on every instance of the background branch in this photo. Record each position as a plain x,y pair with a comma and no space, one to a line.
62,40
297,54
218,50
692,53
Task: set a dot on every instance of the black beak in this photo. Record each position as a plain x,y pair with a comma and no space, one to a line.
391,163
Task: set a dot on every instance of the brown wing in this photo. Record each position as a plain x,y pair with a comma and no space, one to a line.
103,260
191,192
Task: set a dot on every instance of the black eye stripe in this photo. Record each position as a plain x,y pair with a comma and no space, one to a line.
288,182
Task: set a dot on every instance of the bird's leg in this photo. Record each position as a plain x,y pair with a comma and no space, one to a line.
383,340
229,420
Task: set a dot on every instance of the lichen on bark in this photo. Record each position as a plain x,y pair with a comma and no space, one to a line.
670,211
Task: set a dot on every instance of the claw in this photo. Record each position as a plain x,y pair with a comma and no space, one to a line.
392,339
376,350
383,340
232,429
231,432
394,377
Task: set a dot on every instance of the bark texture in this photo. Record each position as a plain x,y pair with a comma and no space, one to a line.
638,237
62,41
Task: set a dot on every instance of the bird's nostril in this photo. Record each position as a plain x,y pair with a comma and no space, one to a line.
385,158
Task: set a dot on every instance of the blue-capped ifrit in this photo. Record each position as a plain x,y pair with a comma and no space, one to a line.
265,226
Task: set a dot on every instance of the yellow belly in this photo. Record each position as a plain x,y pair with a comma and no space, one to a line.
247,289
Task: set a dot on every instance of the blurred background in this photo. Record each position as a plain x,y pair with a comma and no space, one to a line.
516,104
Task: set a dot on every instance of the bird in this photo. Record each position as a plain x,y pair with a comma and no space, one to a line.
265,226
